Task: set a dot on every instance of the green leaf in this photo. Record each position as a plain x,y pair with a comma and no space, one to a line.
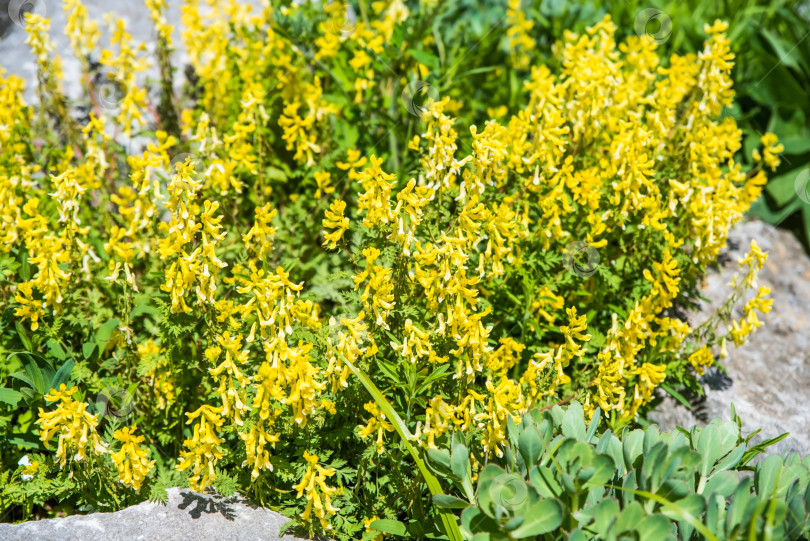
694,504
89,349
676,395
543,516
653,527
36,377
440,459
62,375
784,50
424,57
731,460
448,519
631,447
629,517
766,477
530,446
105,332
460,465
573,422
473,521
25,267
783,187
56,350
593,426
10,396
723,483
543,480
390,526
449,502
714,442
274,173
23,336
683,514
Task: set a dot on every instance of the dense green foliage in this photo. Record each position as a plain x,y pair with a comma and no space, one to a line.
560,479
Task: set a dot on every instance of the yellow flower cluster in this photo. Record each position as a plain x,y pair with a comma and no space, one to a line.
442,260
318,494
75,427
131,460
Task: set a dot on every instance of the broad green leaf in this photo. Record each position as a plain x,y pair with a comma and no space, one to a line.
543,480
387,525
531,446
629,517
541,517
766,477
694,504
653,527
10,396
731,460
56,350
440,459
632,445
473,520
89,350
36,377
683,514
62,375
573,422
460,465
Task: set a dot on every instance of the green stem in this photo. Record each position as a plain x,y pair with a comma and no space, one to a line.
448,519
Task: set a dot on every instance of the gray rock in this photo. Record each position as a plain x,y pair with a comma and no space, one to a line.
770,375
187,515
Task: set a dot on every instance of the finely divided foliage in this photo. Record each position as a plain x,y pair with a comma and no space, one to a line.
222,268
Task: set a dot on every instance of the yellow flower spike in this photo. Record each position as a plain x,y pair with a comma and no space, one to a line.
130,460
375,200
318,494
203,448
335,220
70,420
377,424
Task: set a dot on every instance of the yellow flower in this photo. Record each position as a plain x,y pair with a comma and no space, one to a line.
335,220
377,423
323,179
130,460
770,151
203,450
318,494
701,359
75,427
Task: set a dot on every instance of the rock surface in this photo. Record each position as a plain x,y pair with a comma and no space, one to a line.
770,375
187,515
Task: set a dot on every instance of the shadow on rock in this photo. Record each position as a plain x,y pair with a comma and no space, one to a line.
209,504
